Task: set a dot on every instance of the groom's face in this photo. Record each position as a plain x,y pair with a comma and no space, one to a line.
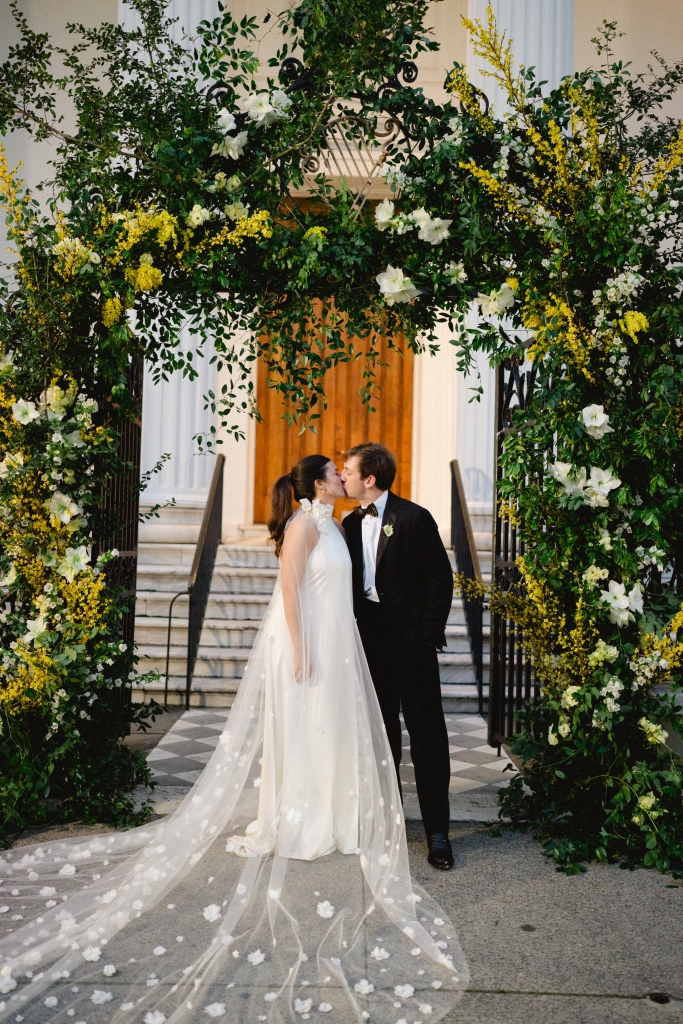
353,485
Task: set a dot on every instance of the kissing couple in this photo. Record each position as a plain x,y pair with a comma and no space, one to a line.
297,819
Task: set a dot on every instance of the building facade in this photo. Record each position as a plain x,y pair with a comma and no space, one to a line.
427,412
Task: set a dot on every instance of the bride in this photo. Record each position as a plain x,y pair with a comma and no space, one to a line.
280,888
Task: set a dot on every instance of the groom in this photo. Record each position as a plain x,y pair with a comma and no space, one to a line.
402,592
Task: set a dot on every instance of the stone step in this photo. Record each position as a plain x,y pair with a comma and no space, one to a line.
205,692
230,662
226,579
212,662
224,631
226,607
240,556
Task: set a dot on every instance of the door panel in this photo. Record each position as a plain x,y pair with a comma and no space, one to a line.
344,423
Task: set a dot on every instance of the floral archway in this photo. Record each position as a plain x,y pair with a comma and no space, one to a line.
174,202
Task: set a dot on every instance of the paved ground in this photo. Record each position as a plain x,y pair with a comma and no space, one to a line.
178,759
547,949
542,948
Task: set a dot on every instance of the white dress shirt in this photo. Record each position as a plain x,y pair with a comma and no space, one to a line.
371,530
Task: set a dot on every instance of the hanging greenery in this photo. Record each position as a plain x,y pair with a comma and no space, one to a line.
171,205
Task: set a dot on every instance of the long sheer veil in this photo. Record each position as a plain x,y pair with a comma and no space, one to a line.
227,907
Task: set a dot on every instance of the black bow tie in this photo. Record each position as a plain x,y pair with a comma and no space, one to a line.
369,510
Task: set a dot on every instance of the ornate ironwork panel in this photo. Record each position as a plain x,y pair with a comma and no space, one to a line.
511,681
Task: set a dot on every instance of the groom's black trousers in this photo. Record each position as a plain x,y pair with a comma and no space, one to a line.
406,678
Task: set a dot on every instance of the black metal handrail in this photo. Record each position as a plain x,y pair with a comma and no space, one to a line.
511,682
201,573
467,563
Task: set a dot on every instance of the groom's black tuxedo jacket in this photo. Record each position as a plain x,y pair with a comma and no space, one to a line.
414,579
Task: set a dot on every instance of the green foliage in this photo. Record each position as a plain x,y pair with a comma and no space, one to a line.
583,207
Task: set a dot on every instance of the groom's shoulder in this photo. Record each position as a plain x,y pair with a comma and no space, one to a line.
409,509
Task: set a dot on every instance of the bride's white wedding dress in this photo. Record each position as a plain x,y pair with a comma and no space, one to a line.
280,888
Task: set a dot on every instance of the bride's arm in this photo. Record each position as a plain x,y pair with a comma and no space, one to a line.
300,539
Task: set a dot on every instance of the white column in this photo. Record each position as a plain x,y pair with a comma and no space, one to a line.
173,411
542,33
434,430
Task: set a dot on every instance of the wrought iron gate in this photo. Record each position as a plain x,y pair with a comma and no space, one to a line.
119,508
511,680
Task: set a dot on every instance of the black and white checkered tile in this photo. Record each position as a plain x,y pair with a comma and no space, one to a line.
477,773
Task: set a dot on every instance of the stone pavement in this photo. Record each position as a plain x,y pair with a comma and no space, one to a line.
544,948
477,773
602,947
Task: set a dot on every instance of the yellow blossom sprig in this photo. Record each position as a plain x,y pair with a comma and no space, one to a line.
633,324
554,324
258,225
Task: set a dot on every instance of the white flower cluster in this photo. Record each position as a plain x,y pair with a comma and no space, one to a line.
197,216
619,289
455,272
547,221
622,605
603,653
593,575
645,667
653,556
430,229
568,699
655,734
611,691
456,133
594,489
397,179
265,108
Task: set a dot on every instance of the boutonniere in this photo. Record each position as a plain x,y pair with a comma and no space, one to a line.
388,530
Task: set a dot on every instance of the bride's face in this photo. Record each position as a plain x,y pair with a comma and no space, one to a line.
330,488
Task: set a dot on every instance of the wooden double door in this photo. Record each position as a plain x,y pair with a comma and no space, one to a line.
345,422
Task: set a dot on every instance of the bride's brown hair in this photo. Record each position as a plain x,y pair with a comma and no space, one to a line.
298,483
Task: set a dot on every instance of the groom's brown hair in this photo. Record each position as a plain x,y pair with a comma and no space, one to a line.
374,460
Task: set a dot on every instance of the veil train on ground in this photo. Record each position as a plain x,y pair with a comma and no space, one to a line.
279,889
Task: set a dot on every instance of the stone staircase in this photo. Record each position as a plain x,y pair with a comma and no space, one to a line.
243,580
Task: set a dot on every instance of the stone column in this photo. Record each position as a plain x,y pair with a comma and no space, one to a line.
542,32
173,411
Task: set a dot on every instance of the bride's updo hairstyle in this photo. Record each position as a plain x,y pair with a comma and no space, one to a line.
298,483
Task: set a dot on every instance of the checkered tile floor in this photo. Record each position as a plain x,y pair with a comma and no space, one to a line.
477,773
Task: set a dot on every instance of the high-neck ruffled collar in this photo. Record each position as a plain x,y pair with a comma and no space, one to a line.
322,513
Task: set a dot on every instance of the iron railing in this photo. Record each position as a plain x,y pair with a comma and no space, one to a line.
467,563
118,511
201,575
511,682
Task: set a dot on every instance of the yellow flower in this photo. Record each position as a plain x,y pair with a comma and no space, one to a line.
316,232
111,311
144,278
633,323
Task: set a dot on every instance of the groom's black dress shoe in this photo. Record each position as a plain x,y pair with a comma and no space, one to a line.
440,852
